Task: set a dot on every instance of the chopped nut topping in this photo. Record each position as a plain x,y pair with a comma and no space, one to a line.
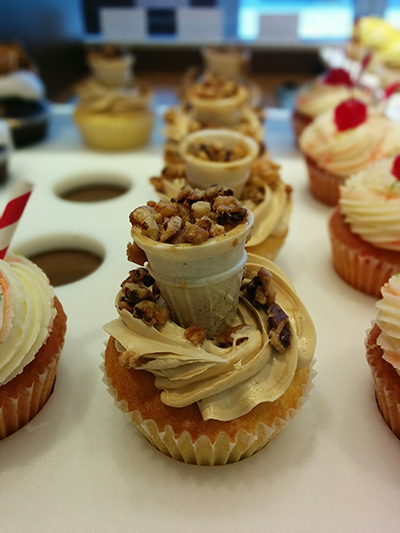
213,87
194,216
195,335
217,152
260,290
135,254
150,313
279,332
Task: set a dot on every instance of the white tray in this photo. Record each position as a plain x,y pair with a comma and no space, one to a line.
81,466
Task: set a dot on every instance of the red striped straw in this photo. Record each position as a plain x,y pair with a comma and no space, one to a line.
12,213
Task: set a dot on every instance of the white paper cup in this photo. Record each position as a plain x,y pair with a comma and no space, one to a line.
221,111
229,63
232,174
115,72
200,283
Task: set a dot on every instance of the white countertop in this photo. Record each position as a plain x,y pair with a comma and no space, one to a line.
81,466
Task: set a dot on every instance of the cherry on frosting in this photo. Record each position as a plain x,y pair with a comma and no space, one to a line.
337,76
396,168
350,114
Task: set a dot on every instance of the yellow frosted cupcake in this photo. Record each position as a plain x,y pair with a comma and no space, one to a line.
210,355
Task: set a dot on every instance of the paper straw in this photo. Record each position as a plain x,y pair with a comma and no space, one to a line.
12,213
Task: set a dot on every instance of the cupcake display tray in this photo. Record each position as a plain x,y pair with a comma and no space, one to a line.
81,466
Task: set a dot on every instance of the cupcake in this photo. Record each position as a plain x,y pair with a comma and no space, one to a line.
213,102
114,119
22,96
5,147
383,354
111,65
343,141
365,227
324,93
31,339
229,159
370,34
386,63
210,355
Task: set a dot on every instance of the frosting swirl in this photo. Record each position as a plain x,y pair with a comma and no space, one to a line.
370,204
318,97
225,382
23,84
346,152
26,314
389,321
98,98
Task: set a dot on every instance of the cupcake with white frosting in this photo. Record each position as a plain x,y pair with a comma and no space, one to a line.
22,96
325,93
32,329
365,227
210,354
383,353
343,141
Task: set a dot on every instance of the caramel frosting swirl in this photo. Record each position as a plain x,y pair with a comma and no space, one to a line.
389,321
317,97
370,204
97,98
26,314
346,152
226,383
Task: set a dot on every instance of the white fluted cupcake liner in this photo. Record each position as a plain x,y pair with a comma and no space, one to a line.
18,410
203,452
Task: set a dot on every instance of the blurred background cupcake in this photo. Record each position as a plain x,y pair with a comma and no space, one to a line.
365,227
22,96
383,354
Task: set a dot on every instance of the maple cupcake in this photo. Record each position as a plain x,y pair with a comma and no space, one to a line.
212,102
111,65
190,357
229,159
365,227
383,354
343,141
31,339
114,119
324,93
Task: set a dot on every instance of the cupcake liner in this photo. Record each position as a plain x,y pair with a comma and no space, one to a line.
363,267
203,451
299,122
323,185
29,130
19,409
115,132
387,383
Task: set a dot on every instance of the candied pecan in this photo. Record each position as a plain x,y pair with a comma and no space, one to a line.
225,200
135,254
150,313
279,332
205,223
195,234
172,227
267,284
157,183
201,209
150,228
260,290
216,230
129,358
183,194
230,214
139,215
123,304
255,195
133,294
141,275
195,335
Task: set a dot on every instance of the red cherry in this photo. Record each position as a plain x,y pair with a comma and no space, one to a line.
350,114
396,168
337,76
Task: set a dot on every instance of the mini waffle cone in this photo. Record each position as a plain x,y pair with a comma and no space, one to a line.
387,382
25,395
358,263
115,132
223,447
324,185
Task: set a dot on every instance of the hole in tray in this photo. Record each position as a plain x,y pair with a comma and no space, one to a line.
64,258
93,187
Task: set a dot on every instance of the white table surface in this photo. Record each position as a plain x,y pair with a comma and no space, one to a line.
81,466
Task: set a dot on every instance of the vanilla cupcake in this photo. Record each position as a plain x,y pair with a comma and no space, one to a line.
325,93
365,227
111,65
344,141
207,358
383,354
32,333
210,103
114,119
210,156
